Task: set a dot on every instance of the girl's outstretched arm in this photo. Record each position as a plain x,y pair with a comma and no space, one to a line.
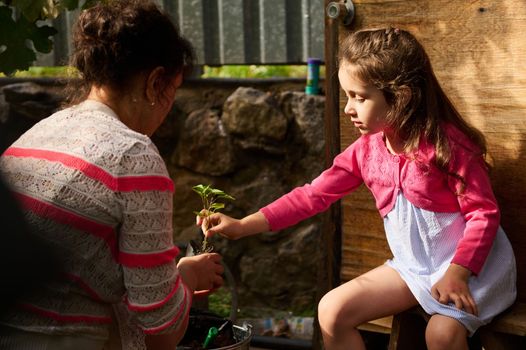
231,228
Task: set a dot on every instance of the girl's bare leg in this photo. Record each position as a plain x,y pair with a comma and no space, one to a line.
377,293
444,332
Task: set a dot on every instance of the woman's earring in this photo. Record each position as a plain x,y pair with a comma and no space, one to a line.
152,103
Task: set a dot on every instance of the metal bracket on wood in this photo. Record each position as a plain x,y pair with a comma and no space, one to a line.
343,10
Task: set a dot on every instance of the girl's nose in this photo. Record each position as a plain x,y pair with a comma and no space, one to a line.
349,108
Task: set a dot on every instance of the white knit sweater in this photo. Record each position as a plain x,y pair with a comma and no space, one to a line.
101,193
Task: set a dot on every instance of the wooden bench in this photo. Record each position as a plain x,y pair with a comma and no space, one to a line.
506,332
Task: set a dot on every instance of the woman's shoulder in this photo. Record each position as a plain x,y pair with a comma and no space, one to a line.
94,134
100,122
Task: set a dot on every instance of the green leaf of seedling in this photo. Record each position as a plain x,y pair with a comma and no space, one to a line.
217,206
221,194
209,196
207,190
227,196
203,190
198,188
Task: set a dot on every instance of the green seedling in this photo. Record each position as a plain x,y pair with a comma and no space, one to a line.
210,198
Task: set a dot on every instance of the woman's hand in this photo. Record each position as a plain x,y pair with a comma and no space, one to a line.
202,272
231,228
453,287
199,272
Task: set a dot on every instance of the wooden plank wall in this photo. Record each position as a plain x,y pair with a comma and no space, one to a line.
478,51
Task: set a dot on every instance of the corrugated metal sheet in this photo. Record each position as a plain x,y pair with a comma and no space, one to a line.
232,31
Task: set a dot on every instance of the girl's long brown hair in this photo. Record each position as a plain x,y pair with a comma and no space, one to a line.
393,61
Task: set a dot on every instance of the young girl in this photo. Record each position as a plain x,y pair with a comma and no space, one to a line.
425,167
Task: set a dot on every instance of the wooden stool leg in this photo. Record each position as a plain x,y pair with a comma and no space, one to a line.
408,332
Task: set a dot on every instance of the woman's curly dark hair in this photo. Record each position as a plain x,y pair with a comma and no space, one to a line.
116,40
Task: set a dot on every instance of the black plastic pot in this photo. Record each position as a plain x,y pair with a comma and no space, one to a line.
229,337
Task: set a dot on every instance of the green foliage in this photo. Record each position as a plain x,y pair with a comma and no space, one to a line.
48,72
255,71
258,71
22,34
220,302
216,72
14,52
209,198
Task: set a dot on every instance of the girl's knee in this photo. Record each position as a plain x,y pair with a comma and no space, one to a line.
445,333
335,314
329,312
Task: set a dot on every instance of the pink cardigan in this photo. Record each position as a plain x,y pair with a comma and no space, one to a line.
368,161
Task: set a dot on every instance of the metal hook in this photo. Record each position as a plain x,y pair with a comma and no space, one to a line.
343,10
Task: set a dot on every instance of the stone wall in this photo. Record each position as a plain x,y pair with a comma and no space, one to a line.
255,140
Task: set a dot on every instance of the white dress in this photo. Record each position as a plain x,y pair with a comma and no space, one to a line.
423,244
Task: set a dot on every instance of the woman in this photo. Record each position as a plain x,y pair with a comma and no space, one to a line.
95,187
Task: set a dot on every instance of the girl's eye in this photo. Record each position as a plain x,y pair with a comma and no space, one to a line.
359,99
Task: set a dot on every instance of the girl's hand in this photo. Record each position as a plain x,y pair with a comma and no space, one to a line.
453,287
231,228
220,224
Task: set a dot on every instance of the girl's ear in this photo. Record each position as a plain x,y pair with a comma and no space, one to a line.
404,96
154,85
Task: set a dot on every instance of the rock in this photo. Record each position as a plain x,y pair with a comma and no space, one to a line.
307,112
204,145
276,273
256,146
31,100
253,117
188,100
167,135
306,149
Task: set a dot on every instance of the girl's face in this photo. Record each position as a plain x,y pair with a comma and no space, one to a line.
366,105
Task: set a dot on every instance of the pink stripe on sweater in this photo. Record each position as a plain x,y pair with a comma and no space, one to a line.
188,299
83,285
60,215
65,318
114,183
148,259
107,233
152,306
